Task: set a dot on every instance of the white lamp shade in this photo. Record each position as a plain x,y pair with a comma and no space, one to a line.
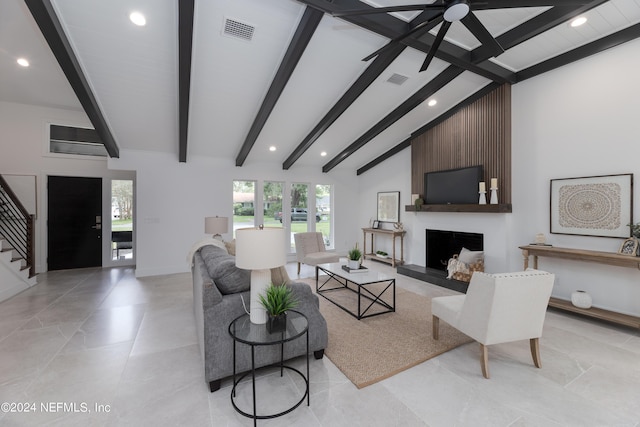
258,249
216,224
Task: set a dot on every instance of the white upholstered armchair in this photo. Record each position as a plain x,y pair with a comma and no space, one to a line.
310,249
498,308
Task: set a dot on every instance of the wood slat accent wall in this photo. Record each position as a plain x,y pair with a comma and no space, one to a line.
479,134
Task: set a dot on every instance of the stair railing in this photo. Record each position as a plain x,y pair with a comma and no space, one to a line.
17,225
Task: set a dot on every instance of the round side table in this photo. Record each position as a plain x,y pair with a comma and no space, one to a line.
243,331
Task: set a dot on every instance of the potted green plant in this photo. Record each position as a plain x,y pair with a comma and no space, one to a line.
354,256
276,301
635,229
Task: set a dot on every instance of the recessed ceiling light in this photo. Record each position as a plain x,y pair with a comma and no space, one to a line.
138,19
23,62
432,103
578,21
323,154
272,148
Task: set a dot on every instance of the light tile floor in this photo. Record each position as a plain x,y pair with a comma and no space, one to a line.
100,347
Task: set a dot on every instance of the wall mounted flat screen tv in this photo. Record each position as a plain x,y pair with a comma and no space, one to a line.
453,186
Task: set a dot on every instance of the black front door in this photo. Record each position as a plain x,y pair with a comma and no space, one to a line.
74,223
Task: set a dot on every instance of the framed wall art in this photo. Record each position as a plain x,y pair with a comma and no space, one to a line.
389,206
599,206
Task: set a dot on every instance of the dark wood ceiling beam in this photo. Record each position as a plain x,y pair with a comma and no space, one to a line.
441,118
391,27
45,16
307,26
185,45
612,40
412,102
372,72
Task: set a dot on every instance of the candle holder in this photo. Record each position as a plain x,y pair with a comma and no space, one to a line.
494,195
483,198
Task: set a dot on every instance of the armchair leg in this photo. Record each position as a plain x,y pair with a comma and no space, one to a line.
535,351
484,360
436,327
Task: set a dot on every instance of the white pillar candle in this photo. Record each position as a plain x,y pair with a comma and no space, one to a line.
482,187
494,182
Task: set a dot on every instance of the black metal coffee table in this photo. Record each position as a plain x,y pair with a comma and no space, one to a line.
360,284
253,335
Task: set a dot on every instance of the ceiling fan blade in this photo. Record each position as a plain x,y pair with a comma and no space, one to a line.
436,44
423,26
402,8
480,32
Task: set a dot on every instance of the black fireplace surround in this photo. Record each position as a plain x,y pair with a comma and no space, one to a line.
440,246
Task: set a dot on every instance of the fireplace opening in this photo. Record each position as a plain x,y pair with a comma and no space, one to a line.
442,245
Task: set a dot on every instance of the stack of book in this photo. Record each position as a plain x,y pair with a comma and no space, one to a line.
362,269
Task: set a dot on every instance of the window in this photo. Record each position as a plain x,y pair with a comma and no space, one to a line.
72,140
296,210
273,194
121,220
323,210
244,201
299,215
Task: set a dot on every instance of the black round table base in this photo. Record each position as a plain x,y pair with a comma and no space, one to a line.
279,414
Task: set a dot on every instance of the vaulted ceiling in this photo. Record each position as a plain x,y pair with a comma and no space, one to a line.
232,78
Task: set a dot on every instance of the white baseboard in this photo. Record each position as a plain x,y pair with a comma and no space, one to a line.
144,272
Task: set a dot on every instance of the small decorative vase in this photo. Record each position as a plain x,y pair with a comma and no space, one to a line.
353,264
581,299
277,323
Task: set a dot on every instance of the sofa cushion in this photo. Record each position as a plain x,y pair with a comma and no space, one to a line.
222,269
210,255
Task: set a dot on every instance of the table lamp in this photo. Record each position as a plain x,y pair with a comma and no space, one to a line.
216,225
259,249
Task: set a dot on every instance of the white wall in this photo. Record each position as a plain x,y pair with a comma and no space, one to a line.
174,198
579,120
23,147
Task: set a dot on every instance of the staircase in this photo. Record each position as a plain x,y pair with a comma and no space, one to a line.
17,271
14,272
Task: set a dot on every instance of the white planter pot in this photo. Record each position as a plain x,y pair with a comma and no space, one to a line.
354,265
581,299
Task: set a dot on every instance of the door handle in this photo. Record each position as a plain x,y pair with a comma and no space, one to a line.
97,227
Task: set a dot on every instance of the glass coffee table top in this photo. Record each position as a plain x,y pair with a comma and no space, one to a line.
360,278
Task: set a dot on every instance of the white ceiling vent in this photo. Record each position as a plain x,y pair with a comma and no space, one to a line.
397,79
237,29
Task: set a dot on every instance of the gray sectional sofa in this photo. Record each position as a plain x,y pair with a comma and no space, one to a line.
217,287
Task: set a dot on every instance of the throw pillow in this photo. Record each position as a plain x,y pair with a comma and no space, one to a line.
231,246
279,276
470,257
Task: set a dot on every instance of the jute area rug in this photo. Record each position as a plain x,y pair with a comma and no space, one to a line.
375,348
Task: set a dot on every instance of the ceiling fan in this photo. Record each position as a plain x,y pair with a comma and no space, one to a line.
449,11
